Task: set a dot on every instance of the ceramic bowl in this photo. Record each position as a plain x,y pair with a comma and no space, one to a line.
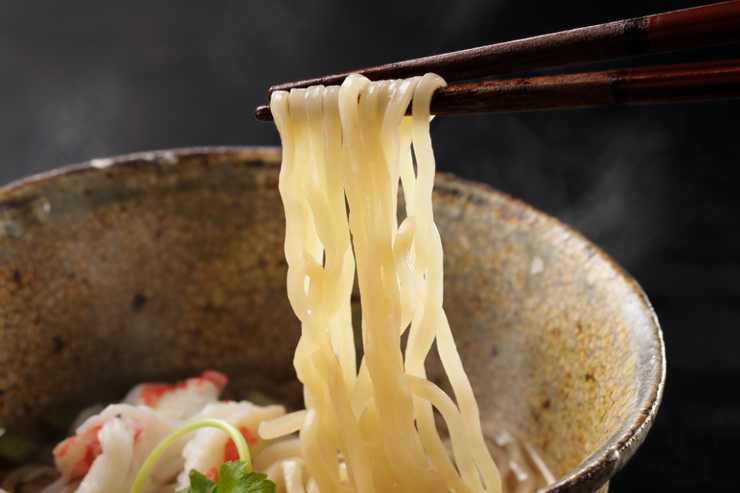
159,265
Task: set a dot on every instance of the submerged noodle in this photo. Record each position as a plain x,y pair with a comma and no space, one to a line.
345,151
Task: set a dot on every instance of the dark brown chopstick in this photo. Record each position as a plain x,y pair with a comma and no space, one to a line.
699,26
687,82
694,27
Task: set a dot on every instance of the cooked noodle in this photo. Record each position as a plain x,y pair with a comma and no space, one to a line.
354,143
380,426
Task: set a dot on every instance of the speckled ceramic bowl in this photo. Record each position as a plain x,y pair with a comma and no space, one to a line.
161,264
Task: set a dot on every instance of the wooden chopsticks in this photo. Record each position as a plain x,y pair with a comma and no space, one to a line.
696,81
689,28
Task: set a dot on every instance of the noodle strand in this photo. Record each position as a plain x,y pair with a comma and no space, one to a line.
347,152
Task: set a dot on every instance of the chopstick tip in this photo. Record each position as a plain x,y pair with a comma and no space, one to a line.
263,113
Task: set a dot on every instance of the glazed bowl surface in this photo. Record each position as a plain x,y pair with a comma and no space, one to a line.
158,265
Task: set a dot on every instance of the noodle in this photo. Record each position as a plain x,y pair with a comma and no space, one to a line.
377,426
371,430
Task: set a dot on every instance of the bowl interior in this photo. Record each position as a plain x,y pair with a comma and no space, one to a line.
162,264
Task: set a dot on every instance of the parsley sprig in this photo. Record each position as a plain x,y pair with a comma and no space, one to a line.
233,477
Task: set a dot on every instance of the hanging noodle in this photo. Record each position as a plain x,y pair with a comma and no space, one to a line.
380,426
345,151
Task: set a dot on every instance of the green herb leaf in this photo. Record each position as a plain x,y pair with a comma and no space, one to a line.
256,482
229,475
232,478
199,483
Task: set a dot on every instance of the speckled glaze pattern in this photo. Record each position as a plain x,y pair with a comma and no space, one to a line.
158,265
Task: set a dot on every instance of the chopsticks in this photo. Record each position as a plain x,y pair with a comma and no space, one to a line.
695,81
694,27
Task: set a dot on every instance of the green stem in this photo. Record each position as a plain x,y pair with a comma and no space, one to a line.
241,446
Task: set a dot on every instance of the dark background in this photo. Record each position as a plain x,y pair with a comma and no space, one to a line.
654,186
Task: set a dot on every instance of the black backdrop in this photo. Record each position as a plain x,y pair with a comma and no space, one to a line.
654,186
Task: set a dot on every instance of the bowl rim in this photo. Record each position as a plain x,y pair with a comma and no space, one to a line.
597,468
